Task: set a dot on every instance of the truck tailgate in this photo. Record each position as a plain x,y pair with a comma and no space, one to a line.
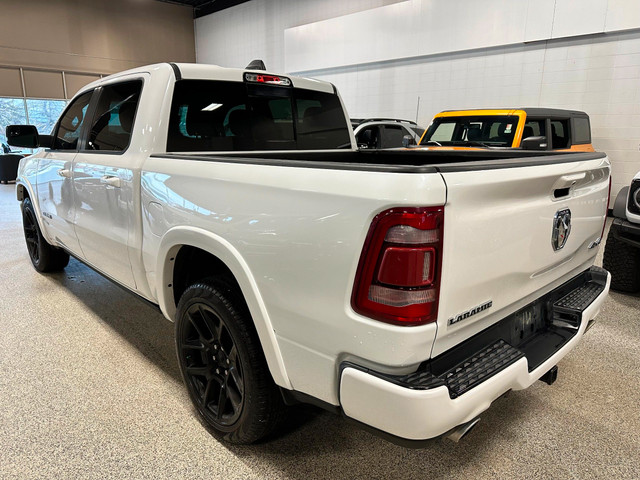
500,252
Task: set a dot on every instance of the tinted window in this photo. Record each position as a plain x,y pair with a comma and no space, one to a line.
490,130
392,136
220,116
113,121
419,131
534,128
559,133
71,122
581,130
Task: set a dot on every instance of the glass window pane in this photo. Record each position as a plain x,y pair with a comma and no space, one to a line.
71,123
11,113
218,116
44,114
582,131
113,121
392,136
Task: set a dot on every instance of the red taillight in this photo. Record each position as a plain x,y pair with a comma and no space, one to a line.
398,278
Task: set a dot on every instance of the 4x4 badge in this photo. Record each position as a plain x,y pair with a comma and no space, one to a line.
561,228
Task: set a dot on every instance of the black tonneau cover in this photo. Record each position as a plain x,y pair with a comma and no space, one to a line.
398,161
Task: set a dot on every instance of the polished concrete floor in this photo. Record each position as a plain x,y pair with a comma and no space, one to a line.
90,388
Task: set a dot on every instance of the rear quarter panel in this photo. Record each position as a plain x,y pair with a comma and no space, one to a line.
296,235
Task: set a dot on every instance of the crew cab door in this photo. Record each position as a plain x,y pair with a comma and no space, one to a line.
55,170
104,181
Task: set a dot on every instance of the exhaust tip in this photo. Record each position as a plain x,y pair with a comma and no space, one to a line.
462,430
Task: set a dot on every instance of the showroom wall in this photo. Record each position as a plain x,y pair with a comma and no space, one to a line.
414,58
50,49
95,36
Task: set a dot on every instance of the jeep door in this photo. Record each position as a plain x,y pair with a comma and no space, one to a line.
104,181
55,169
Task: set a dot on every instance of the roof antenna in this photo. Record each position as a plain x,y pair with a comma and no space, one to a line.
256,65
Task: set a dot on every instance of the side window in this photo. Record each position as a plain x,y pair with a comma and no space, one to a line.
392,136
368,137
70,125
581,130
559,134
534,128
115,113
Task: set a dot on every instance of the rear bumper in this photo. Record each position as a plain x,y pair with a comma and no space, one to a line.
434,400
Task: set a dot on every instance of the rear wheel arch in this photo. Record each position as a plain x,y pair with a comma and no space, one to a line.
188,255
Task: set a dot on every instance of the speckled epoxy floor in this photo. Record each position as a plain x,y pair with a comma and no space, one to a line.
90,388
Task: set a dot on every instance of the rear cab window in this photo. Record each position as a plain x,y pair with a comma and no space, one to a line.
581,131
211,115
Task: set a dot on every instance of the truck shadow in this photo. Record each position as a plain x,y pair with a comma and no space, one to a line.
142,325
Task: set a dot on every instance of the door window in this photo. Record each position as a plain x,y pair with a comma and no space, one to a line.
70,126
115,113
368,137
392,136
534,128
559,134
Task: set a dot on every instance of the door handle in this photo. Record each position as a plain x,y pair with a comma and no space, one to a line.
112,181
64,172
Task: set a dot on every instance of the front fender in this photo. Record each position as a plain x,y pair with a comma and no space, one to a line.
620,205
24,188
178,237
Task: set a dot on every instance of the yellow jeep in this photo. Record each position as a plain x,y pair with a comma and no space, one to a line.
525,128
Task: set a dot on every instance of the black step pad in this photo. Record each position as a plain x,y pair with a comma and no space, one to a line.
580,298
482,365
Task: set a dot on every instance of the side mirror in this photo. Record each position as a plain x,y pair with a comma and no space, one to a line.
27,136
408,140
534,143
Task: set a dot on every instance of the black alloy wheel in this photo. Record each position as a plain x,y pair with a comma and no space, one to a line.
44,257
212,367
31,235
223,365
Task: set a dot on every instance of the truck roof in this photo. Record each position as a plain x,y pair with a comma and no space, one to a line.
201,71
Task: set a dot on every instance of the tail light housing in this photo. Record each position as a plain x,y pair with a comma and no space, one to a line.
398,277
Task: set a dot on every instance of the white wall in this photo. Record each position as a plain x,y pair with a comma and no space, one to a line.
554,53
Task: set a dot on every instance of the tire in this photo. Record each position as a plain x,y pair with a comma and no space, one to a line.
222,363
44,257
623,262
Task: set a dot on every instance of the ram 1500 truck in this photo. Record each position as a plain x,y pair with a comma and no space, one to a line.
526,128
404,290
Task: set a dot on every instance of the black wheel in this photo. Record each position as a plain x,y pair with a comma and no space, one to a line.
44,257
623,262
223,365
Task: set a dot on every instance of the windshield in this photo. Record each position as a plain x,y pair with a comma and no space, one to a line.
481,130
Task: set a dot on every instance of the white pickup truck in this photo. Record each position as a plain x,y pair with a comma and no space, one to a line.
404,290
